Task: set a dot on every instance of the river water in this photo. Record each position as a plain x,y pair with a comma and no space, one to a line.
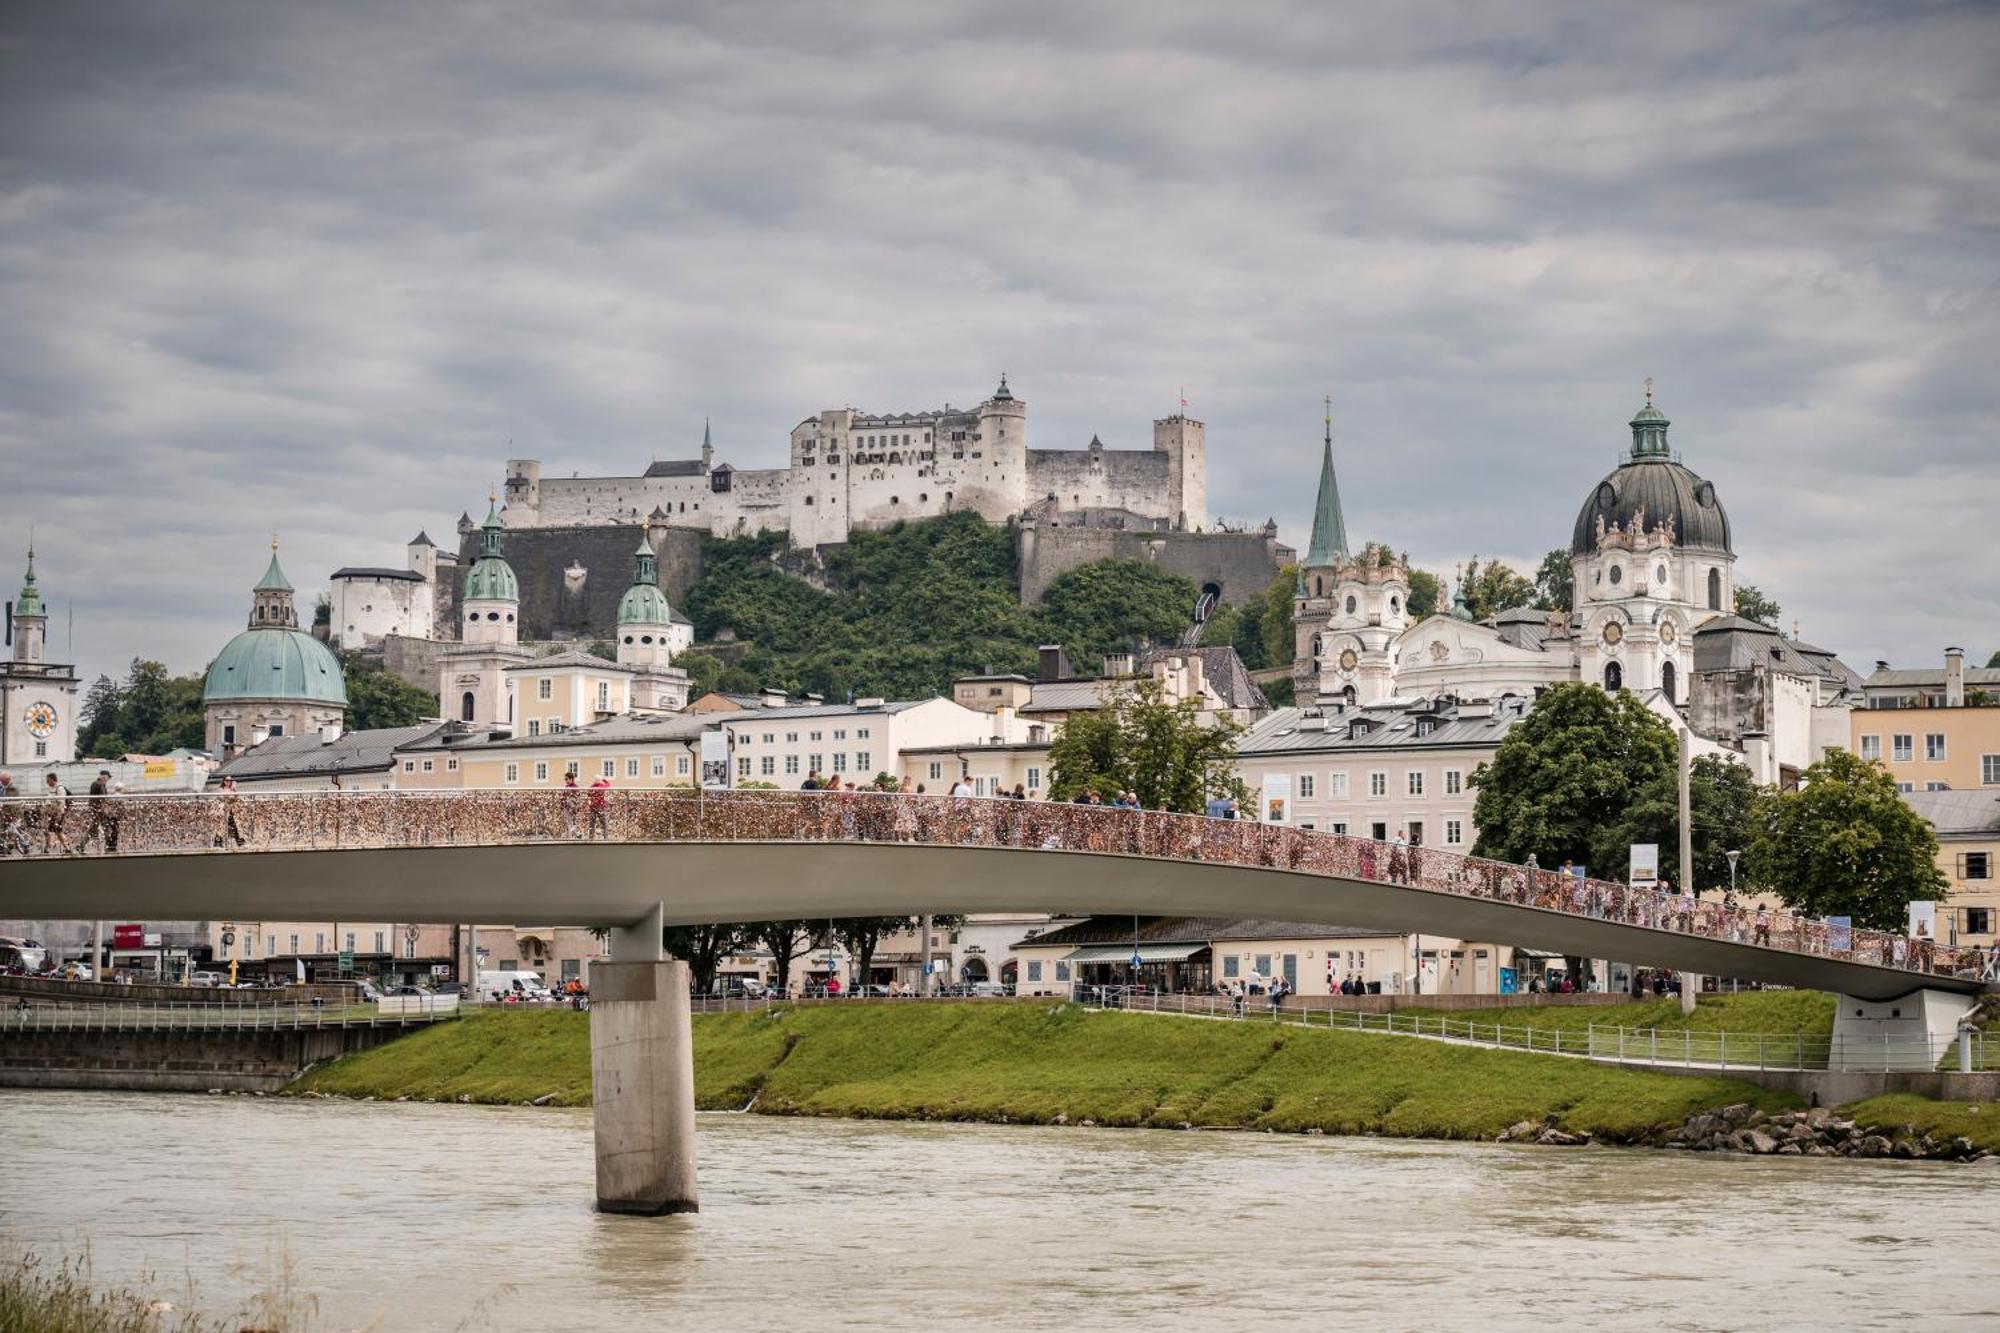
405,1216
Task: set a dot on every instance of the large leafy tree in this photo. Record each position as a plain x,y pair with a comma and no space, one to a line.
151,712
1261,629
1721,795
1752,604
1555,581
785,941
1568,772
1493,587
1106,606
377,698
703,948
1845,844
1141,741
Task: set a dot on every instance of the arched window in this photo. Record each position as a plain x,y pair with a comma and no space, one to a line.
1350,695
465,707
1667,681
1715,590
1319,586
1350,604
1614,677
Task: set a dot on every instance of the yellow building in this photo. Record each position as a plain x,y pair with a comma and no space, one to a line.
1936,729
1968,833
644,751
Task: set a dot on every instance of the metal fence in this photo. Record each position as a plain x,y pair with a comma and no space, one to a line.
223,822
1686,1047
415,1011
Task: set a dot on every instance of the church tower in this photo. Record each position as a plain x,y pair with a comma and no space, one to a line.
472,676
645,624
37,699
1346,612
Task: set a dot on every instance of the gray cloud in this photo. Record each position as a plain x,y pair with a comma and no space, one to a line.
322,270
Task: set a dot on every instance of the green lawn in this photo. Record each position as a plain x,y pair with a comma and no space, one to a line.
1978,1121
1809,1013
1041,1062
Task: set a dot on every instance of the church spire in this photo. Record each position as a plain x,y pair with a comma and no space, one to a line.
1649,429
271,605
1329,535
29,603
707,446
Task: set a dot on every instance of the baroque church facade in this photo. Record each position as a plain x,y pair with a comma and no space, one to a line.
1653,570
37,696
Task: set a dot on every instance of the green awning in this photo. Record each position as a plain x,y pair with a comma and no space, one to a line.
1148,953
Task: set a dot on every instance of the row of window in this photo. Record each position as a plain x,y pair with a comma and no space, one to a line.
1902,749
633,766
1378,784
767,765
1411,831
429,765
319,944
792,737
1035,970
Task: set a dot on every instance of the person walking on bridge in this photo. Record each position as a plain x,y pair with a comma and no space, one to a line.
572,804
600,809
55,810
13,839
103,814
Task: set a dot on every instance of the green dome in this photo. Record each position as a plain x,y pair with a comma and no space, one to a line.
285,664
643,604
491,579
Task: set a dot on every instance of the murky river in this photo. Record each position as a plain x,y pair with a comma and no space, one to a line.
444,1217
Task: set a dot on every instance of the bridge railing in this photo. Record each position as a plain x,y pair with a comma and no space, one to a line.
1600,1041
313,821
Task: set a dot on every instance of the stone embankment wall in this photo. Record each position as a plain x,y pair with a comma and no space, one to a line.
1242,564
138,1061
37,990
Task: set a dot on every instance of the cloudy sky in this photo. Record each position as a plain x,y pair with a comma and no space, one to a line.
323,268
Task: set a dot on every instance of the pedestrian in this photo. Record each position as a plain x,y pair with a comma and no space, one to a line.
1399,861
600,809
103,814
1276,994
13,838
961,787
1236,996
55,811
1761,927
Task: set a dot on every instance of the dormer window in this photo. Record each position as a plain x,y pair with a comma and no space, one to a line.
1426,725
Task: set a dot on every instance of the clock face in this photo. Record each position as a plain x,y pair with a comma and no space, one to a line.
1613,632
41,720
1349,659
1667,632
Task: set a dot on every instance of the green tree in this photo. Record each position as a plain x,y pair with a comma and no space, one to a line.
1426,594
1845,844
1493,588
1275,617
150,713
1110,605
861,936
1752,604
703,948
1721,794
1139,741
1566,773
102,704
1555,582
377,698
784,941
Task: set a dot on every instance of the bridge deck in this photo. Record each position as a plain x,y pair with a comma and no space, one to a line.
566,857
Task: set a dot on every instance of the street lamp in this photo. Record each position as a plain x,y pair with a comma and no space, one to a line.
1732,871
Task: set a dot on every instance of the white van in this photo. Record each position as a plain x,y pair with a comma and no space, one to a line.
498,985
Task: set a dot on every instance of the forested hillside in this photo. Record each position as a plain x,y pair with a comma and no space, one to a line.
904,611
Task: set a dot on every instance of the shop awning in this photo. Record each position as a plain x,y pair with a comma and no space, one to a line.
1148,953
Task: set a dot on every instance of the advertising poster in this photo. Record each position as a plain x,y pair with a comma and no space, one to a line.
1645,864
1277,802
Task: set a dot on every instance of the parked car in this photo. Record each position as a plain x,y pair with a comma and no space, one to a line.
989,990
210,979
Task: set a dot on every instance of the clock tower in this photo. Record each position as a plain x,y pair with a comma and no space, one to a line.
37,698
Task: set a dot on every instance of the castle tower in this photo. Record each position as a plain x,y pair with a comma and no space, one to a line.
524,492
1185,443
37,699
707,448
1346,612
1003,439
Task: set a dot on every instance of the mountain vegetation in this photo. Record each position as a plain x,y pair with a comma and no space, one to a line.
901,612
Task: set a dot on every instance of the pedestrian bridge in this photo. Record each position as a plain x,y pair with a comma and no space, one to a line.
561,857
637,861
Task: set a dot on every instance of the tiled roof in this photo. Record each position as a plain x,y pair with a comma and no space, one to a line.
306,754
372,572
1960,812
570,658
1390,726
1225,673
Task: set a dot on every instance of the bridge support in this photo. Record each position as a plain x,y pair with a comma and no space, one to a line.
642,1077
1910,1032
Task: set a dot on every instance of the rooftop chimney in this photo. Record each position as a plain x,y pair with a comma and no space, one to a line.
772,697
329,733
1117,664
1954,678
1053,664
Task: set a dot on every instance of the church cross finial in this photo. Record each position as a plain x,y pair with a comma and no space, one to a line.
1649,390
274,541
1329,419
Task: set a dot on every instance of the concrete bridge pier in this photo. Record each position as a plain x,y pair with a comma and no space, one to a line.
642,1076
1911,1032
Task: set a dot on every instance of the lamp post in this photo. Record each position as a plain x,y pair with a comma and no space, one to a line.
1733,982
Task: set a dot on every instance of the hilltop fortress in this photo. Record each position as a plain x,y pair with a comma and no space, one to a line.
852,470
570,539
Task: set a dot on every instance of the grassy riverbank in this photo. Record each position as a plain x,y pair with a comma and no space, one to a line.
35,1298
1049,1063
1790,1012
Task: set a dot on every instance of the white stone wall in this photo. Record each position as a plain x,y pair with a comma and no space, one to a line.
366,609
